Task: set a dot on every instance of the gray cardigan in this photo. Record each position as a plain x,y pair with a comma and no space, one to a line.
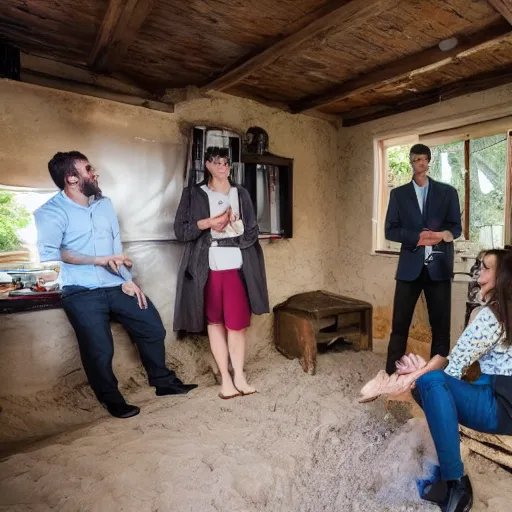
189,312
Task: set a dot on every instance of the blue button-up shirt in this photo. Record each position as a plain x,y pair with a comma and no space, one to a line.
90,230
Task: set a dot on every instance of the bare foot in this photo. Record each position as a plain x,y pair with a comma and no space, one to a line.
243,387
228,389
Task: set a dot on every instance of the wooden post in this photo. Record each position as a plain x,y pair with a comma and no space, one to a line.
508,191
467,189
366,340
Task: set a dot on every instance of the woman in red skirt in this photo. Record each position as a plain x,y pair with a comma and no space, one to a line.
221,280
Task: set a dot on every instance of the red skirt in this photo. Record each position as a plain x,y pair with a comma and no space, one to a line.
226,300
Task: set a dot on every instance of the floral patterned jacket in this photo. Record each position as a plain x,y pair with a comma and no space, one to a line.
483,340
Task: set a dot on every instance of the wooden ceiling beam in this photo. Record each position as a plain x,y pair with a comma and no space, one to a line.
340,14
118,30
93,91
53,68
412,65
480,82
504,7
58,75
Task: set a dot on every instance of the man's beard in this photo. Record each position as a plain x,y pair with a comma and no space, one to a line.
90,188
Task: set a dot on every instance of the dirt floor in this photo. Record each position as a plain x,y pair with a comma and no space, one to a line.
302,444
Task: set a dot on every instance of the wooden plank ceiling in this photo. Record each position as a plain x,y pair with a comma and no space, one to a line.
356,59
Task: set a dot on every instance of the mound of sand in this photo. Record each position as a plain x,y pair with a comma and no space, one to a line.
302,444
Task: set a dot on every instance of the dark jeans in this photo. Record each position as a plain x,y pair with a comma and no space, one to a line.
448,401
90,313
438,295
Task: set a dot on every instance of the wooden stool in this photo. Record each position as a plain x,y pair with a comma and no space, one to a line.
307,319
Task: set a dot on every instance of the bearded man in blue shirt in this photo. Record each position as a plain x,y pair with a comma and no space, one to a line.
78,227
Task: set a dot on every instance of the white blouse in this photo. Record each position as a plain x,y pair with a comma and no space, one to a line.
221,258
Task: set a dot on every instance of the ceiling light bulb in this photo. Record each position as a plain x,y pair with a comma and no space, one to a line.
448,44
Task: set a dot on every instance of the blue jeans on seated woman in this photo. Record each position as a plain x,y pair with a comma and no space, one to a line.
446,402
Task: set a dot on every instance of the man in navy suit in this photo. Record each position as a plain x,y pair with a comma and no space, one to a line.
424,216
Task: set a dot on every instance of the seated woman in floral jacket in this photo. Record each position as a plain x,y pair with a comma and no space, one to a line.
484,405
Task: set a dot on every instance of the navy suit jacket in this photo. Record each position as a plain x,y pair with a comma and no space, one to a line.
405,222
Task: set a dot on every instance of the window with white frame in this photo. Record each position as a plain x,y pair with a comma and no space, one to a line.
479,167
18,234
25,283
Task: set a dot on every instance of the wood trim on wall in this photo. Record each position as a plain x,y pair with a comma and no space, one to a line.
508,191
93,91
473,131
436,122
467,185
381,183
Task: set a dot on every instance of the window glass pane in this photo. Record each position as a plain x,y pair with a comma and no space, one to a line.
447,166
488,164
399,168
399,172
268,214
18,234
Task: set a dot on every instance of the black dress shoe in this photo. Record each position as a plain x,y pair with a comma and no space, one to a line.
175,389
121,410
460,495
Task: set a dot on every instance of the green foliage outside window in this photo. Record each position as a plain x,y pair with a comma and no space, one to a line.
400,171
13,217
